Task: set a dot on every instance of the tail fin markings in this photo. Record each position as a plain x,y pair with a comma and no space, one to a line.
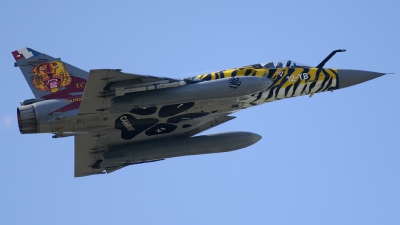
48,77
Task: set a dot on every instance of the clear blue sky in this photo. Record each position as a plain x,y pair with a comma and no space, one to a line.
330,159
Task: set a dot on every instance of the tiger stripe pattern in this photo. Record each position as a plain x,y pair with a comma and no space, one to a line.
287,82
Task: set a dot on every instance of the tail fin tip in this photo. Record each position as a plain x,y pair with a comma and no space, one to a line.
24,53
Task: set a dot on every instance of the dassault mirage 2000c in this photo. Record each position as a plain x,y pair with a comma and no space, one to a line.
120,119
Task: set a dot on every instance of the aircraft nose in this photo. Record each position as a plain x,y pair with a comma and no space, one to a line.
349,78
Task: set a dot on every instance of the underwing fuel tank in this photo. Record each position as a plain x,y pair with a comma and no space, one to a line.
208,90
150,151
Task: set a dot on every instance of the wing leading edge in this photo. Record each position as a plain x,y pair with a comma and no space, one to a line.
103,84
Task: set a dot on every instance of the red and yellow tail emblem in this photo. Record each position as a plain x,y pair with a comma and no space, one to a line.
50,76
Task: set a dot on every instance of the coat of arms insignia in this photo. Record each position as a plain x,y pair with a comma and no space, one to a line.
234,82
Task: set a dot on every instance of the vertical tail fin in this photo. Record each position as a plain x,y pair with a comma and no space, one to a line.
48,77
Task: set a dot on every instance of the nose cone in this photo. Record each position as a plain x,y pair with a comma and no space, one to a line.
349,78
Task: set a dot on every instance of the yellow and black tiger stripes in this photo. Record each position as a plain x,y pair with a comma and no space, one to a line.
287,82
293,82
242,71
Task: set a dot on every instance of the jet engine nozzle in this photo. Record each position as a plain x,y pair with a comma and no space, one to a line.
27,121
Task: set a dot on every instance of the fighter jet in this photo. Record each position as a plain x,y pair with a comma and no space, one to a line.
120,119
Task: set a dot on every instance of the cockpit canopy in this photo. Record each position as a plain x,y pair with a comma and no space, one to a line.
280,64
